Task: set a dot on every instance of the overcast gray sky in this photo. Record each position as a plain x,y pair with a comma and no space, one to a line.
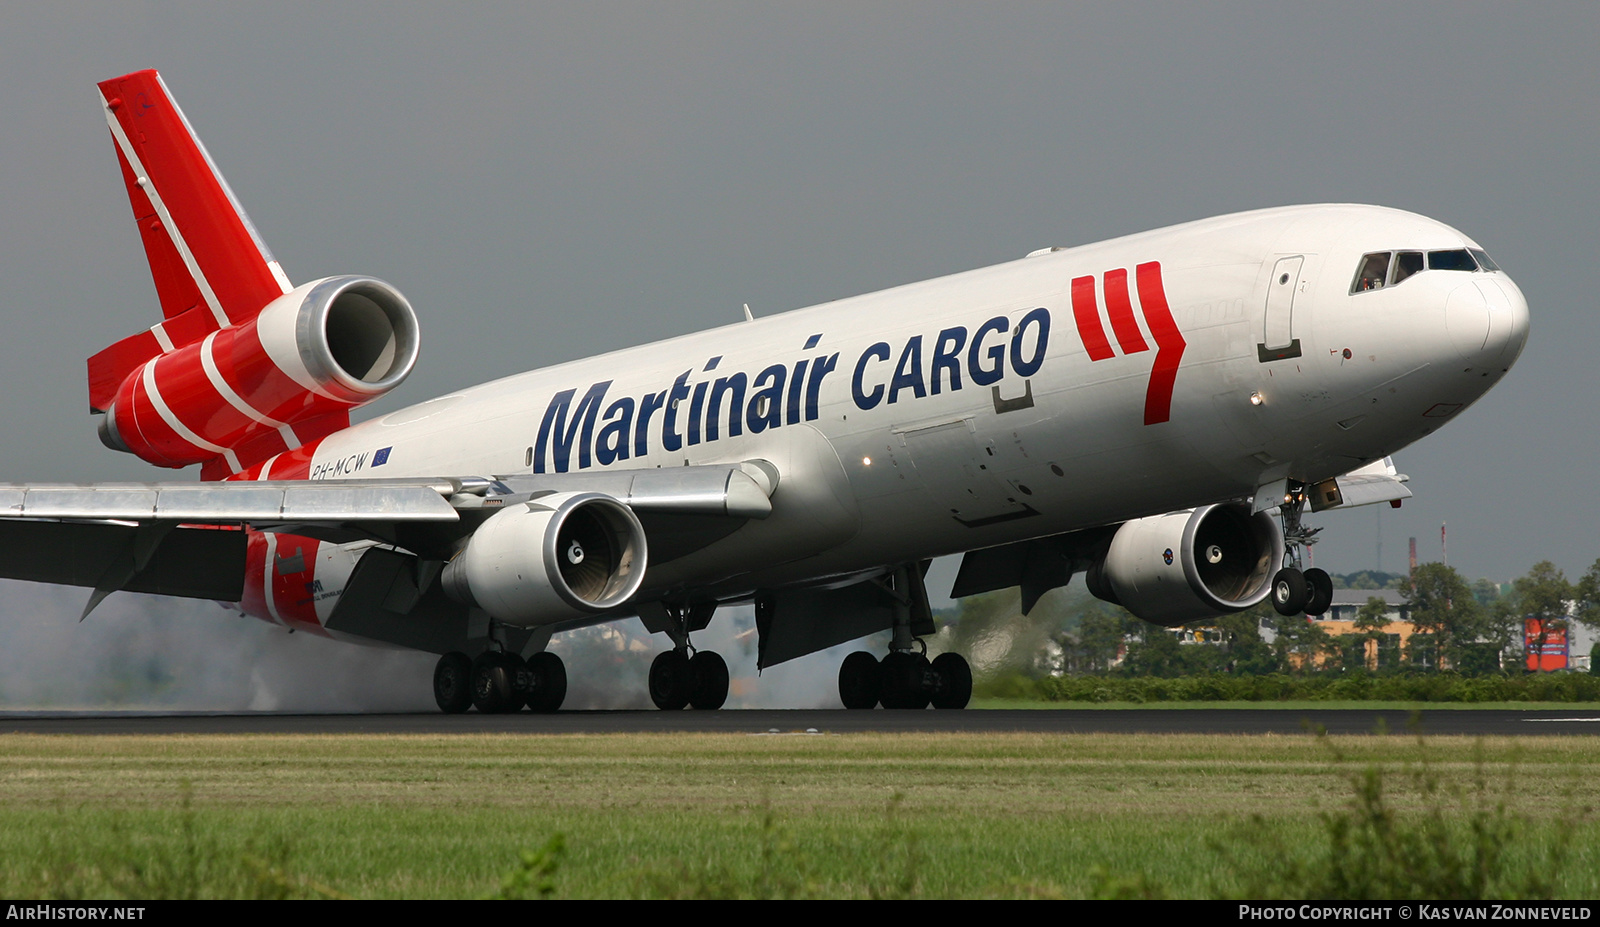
546,182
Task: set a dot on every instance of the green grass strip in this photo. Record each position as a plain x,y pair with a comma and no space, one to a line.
836,816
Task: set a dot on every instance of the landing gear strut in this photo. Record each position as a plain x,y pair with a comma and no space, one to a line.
1296,592
683,676
905,678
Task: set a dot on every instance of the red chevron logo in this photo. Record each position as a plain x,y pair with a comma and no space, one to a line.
1119,309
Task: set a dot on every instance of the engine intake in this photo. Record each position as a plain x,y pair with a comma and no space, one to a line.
559,556
355,337
1189,565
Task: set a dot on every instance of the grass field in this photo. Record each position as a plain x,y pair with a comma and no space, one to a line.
1002,704
1007,815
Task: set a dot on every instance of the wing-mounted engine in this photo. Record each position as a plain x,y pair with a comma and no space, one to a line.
560,556
239,393
1189,565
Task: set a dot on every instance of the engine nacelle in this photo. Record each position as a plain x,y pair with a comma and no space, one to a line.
559,556
328,346
1185,566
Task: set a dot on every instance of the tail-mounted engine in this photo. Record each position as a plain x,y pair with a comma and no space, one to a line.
318,350
1185,566
559,556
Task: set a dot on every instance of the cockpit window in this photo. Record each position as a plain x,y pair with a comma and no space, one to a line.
1406,263
1372,272
1451,260
1381,268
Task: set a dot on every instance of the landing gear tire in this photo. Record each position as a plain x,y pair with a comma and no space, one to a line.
671,681
952,681
1289,592
494,683
1319,594
710,674
452,683
905,680
860,680
547,687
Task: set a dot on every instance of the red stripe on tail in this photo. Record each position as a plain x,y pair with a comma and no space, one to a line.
209,224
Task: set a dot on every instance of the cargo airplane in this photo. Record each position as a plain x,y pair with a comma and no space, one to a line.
1157,412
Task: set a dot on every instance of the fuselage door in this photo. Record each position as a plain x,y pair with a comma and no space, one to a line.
1277,335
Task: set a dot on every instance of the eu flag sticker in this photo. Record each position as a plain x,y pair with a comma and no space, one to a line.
381,457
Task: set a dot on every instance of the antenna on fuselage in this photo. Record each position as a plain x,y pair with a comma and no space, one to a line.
747,316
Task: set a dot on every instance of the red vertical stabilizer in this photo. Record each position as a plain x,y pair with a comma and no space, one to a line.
210,267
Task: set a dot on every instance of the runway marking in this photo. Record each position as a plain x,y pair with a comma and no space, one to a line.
1548,720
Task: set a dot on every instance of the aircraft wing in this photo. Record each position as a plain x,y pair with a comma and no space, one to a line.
161,537
729,490
1378,481
232,503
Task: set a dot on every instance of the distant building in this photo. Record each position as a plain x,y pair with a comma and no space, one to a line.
1340,619
1347,602
1341,615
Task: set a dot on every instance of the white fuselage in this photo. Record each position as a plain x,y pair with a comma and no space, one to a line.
895,440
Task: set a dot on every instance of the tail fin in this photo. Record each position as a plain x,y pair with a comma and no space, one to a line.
210,267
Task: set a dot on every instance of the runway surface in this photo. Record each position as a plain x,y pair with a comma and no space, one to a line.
1059,721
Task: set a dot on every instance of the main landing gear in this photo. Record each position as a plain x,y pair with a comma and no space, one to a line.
497,682
1297,592
684,677
906,679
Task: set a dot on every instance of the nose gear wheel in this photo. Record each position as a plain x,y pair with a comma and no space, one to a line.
1297,592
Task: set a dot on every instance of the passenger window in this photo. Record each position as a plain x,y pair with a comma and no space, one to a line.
1371,273
1451,260
1406,263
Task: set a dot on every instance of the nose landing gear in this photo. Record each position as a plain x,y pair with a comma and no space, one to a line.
1297,592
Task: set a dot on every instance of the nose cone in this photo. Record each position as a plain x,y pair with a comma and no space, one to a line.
1508,321
1488,321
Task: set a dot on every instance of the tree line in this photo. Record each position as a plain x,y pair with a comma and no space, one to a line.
1466,628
